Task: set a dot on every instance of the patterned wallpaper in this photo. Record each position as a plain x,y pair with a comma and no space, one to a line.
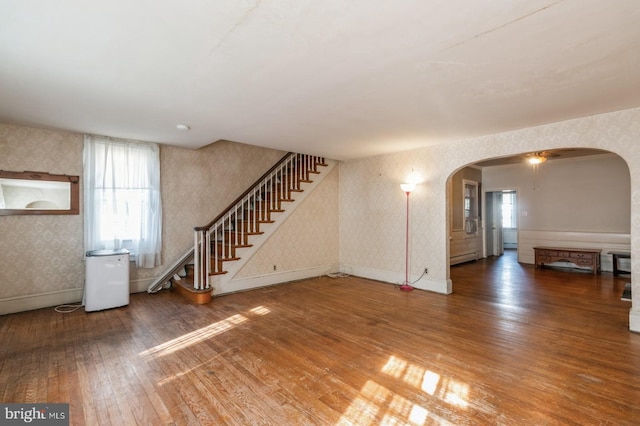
197,185
44,254
372,203
40,254
307,239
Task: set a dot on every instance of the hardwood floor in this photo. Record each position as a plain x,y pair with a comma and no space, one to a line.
512,345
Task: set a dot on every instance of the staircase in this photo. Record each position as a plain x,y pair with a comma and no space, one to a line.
225,240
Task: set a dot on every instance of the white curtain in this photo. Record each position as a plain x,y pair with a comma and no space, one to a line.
122,206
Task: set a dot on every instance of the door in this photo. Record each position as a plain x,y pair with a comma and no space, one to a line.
493,230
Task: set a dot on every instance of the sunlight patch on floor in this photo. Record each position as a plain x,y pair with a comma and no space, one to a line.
377,405
195,336
412,374
395,367
430,382
447,389
364,409
456,393
203,333
260,310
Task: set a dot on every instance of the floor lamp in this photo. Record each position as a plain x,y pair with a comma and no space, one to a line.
407,188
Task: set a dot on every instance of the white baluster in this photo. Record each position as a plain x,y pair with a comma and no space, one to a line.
196,258
207,271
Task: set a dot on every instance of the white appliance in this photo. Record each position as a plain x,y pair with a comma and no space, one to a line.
106,280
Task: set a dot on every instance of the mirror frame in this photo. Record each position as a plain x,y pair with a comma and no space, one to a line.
41,176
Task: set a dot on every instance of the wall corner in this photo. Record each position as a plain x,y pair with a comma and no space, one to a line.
634,320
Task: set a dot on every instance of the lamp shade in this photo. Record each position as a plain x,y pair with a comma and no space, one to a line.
408,187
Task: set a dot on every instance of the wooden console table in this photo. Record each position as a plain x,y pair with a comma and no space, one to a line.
615,255
579,256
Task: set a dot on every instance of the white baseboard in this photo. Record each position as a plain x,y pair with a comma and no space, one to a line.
140,286
605,241
249,283
221,284
12,305
437,286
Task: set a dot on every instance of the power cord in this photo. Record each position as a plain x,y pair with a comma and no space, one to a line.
411,283
67,309
421,277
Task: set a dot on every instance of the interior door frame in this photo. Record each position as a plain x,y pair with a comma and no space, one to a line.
493,239
487,222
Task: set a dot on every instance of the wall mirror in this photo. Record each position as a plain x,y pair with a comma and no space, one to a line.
37,193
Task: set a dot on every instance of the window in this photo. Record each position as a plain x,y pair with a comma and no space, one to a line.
470,204
509,210
122,198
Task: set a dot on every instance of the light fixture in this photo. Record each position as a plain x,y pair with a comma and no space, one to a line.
407,188
536,159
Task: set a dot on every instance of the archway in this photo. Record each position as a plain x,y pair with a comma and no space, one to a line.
577,198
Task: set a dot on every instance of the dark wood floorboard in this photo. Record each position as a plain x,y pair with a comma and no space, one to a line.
512,345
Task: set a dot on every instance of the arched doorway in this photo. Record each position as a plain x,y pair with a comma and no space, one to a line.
577,197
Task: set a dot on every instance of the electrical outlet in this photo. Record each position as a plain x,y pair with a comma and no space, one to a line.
274,267
426,271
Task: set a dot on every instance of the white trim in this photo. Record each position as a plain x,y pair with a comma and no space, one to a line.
606,241
634,320
250,283
226,283
140,286
437,286
12,305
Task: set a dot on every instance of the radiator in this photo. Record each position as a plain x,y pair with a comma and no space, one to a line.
463,257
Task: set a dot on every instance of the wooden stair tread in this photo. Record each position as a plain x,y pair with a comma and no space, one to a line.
226,259
267,198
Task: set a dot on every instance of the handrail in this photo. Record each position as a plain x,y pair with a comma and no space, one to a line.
217,242
244,194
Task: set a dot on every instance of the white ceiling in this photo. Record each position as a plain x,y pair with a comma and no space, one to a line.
343,79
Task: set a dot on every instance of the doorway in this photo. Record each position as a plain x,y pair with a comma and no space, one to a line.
501,230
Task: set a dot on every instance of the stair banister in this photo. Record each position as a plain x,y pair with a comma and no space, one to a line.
244,194
242,218
202,234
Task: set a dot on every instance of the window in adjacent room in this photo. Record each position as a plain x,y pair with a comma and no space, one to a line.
122,202
509,210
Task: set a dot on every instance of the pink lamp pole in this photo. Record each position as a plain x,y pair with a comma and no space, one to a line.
407,188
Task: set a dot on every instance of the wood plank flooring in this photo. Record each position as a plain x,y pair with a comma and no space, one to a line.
512,345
